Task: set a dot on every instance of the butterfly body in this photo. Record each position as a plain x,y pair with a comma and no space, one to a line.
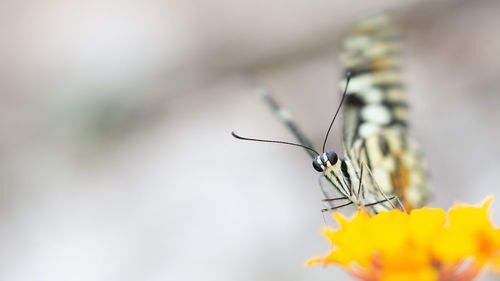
382,168
348,182
375,130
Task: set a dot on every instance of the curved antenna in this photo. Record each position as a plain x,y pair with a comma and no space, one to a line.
348,78
273,141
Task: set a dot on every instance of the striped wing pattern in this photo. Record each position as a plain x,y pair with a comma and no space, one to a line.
375,114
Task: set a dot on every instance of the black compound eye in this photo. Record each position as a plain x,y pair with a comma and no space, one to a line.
332,157
318,165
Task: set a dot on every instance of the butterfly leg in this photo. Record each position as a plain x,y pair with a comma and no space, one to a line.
335,199
379,202
386,199
378,187
401,205
336,207
360,179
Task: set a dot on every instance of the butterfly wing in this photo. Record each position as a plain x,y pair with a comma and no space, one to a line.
396,165
376,113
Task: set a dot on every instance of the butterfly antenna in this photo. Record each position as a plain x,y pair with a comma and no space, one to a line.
348,78
274,141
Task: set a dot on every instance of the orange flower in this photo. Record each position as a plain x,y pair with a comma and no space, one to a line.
422,245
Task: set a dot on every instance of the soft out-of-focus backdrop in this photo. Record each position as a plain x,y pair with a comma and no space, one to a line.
116,158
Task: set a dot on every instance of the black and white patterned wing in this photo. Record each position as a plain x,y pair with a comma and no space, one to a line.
375,113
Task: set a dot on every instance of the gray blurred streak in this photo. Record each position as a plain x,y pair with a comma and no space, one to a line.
115,116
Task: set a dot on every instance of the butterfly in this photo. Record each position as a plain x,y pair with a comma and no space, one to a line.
382,168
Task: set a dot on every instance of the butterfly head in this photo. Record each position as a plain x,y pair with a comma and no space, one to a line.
321,162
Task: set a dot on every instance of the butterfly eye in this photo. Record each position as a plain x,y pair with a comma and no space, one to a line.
332,157
318,165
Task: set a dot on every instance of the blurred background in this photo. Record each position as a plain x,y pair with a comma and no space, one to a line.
116,156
